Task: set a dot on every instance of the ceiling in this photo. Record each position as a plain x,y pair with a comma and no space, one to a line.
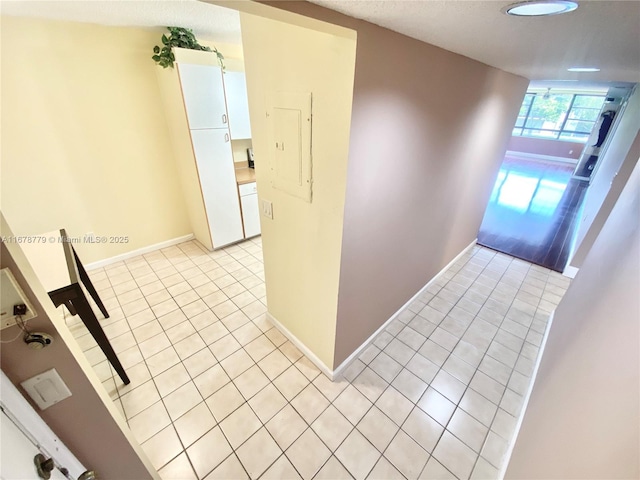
207,21
604,34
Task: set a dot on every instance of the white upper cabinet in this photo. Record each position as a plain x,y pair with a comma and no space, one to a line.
203,92
238,105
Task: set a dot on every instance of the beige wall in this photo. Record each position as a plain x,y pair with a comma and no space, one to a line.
584,412
302,243
428,134
239,149
88,422
85,144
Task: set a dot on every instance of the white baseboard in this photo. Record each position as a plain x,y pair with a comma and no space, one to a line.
570,271
139,251
527,397
537,156
341,368
371,339
301,346
333,374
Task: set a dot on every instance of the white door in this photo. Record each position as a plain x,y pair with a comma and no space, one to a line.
18,454
24,435
218,182
251,215
203,93
235,88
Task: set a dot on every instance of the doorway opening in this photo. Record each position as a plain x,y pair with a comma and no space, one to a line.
558,139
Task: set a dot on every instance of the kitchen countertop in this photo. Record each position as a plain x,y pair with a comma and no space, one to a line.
245,175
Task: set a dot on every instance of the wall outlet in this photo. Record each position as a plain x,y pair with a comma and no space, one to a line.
267,209
13,301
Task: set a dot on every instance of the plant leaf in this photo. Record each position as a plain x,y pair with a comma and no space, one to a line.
182,38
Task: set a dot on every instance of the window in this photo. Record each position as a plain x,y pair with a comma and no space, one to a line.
565,116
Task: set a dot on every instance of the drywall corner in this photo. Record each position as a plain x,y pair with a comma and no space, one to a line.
302,242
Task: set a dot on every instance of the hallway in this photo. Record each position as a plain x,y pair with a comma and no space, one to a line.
217,392
534,211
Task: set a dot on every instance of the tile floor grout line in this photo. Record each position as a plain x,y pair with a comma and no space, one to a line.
467,387
450,354
181,362
482,275
512,370
486,435
457,405
441,368
477,368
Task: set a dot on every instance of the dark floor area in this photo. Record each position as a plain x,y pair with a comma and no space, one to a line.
533,211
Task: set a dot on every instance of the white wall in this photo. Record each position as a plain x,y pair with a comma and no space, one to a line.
583,417
620,150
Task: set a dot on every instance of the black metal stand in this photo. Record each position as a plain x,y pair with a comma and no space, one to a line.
76,302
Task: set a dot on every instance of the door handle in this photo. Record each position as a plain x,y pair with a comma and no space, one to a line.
226,137
224,118
44,466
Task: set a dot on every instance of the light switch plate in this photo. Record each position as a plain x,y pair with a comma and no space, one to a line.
46,389
267,209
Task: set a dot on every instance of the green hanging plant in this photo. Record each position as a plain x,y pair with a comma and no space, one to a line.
181,38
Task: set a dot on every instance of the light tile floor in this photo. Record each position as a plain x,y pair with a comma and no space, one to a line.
216,392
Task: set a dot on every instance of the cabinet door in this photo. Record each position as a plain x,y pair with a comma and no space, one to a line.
203,94
251,215
238,104
212,149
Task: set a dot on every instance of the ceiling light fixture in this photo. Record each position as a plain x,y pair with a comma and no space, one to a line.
583,69
538,8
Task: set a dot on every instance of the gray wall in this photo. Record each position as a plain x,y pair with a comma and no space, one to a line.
421,168
584,412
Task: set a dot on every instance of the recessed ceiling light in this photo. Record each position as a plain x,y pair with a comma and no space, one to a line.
583,69
537,8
